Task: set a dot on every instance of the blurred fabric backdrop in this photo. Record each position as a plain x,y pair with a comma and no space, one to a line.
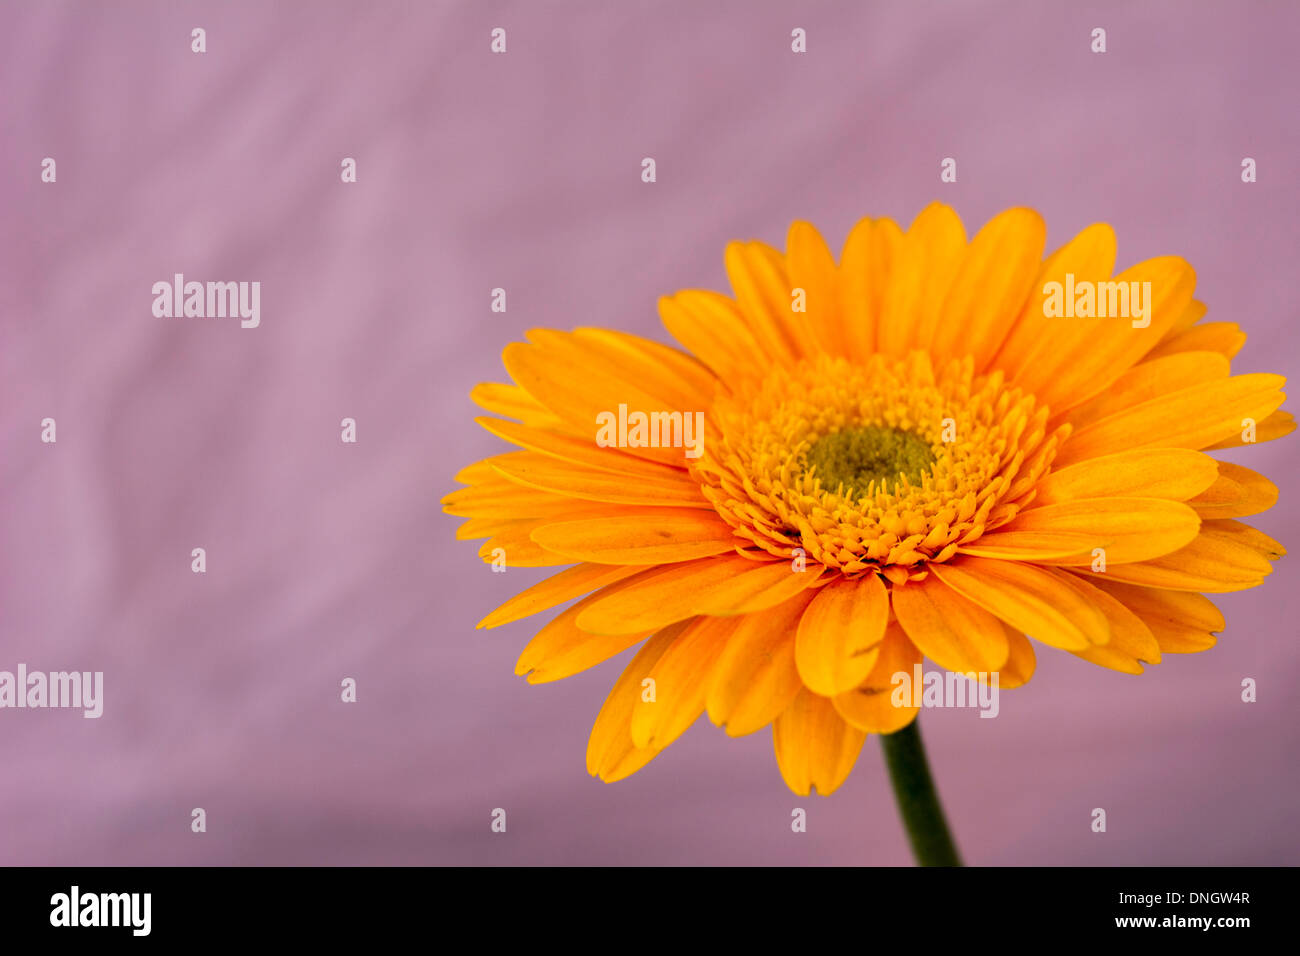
522,170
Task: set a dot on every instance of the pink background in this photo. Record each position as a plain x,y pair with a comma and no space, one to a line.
328,560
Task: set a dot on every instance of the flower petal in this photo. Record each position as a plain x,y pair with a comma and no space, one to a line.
712,327
953,632
927,261
1103,349
866,263
1210,563
651,536
562,649
814,746
756,677
1225,338
840,633
1181,621
1129,529
514,538
811,267
1030,546
566,478
1021,660
1149,380
558,589
1233,532
871,706
681,681
991,287
673,375
611,755
762,289
579,451
1236,493
1036,338
1194,312
514,402
499,497
675,379
724,585
1277,425
1029,598
1190,418
1131,641
1174,473
577,387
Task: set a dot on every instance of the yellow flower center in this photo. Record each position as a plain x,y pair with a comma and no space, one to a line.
857,458
879,467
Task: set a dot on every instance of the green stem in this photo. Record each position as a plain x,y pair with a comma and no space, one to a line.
918,802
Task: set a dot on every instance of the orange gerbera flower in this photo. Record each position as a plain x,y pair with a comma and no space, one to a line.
931,448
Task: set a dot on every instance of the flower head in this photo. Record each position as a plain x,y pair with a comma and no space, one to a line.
932,448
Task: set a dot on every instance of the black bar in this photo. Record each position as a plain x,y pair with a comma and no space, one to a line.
331,906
